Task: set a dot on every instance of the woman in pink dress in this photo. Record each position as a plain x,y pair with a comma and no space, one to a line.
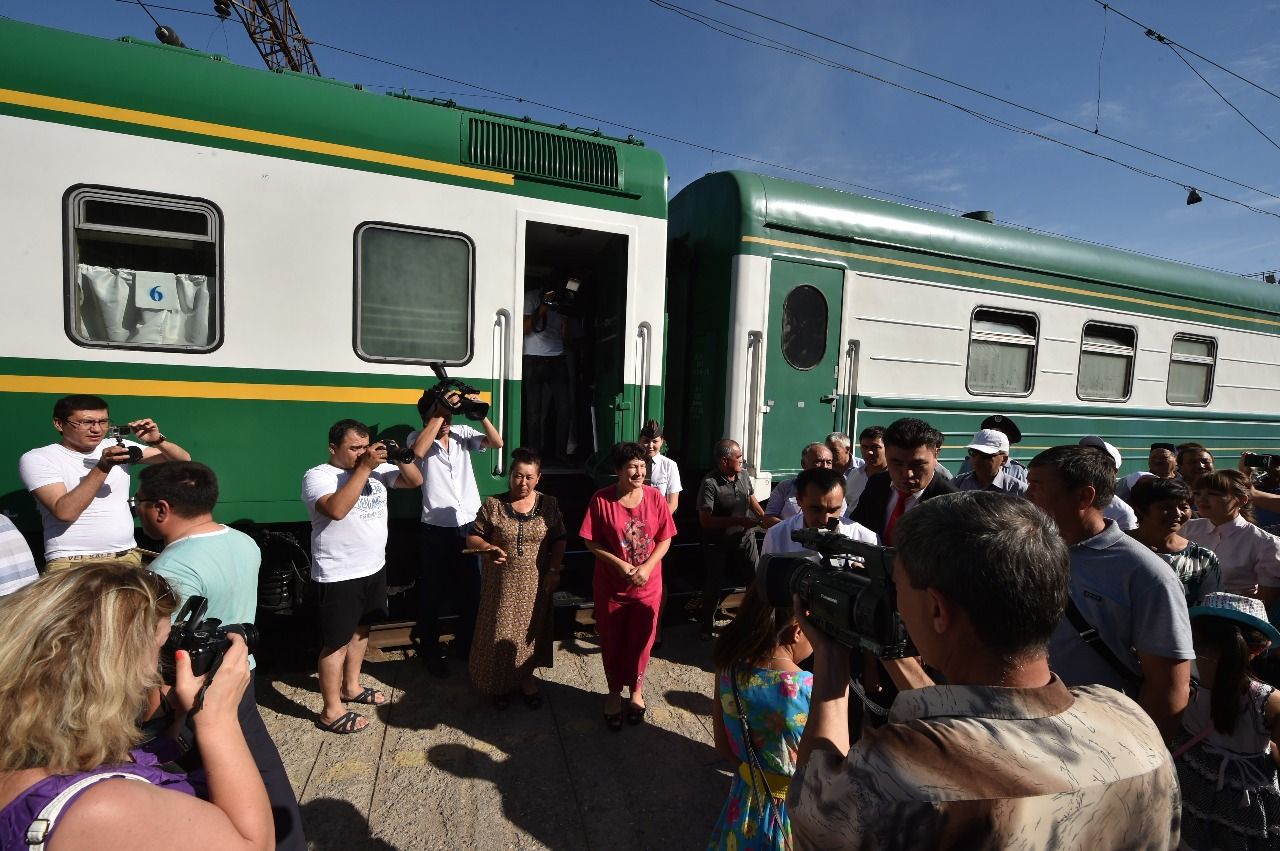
628,528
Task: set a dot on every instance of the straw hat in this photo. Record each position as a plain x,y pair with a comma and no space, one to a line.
1246,610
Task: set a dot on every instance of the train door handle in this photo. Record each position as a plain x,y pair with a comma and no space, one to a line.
829,399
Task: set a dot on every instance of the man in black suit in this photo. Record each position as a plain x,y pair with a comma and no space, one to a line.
911,449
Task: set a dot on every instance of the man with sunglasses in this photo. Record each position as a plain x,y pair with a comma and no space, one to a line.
81,483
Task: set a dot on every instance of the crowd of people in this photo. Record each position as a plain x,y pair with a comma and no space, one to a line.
1088,666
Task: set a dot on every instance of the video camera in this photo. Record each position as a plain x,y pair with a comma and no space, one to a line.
847,588
118,434
564,299
398,454
204,639
1257,461
472,409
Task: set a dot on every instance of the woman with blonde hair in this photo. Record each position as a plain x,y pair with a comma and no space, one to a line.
79,659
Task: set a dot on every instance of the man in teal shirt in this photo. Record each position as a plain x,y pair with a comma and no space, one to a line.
201,557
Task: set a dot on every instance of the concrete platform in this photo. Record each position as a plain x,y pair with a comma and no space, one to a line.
441,768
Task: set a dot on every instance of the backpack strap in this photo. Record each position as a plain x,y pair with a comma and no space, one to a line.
1089,635
42,824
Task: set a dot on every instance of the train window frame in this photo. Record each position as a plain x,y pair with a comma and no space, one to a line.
358,290
1012,317
79,224
1113,349
1210,361
783,338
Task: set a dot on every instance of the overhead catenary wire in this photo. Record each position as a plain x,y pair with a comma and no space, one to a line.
694,15
828,179
773,44
1196,71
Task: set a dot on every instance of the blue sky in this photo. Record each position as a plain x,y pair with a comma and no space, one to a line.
643,66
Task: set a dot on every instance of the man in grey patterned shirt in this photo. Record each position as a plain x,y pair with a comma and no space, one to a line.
1004,755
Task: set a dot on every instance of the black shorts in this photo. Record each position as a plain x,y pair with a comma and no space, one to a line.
345,605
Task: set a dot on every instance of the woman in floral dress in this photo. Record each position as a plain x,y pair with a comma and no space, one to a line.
759,653
522,537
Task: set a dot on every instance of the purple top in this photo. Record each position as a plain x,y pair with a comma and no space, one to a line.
22,810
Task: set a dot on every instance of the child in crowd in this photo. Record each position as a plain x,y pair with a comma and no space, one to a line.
1225,753
762,703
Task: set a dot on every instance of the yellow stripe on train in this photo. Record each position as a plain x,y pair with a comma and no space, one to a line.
243,134
66,385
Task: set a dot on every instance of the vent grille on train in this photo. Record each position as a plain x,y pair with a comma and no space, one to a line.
540,154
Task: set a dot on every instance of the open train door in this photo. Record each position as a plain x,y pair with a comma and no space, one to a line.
802,360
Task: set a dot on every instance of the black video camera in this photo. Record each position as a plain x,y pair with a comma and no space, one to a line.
564,299
1257,461
472,409
204,639
118,434
398,454
847,588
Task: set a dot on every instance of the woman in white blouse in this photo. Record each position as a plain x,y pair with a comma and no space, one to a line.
1250,557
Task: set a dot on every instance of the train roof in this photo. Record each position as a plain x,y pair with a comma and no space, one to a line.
770,205
144,88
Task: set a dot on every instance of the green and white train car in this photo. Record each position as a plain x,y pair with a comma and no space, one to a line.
249,256
797,310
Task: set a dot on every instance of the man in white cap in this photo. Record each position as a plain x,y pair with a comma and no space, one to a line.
1118,510
988,454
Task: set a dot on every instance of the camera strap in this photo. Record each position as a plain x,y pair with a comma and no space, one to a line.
1092,639
754,760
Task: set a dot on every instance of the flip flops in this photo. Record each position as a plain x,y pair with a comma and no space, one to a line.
344,724
369,697
635,714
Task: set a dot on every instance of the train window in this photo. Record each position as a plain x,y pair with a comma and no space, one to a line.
413,295
143,270
804,327
1106,362
1191,362
1002,353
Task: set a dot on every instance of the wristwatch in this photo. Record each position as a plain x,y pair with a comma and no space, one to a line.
158,442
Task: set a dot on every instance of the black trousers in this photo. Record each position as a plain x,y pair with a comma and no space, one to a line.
735,555
546,404
447,576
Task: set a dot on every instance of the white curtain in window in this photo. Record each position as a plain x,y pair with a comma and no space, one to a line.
999,367
107,310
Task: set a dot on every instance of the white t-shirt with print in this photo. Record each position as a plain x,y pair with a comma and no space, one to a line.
105,526
356,545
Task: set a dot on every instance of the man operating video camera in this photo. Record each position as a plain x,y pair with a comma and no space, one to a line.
1004,754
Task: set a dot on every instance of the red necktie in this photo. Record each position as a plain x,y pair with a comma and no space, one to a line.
894,516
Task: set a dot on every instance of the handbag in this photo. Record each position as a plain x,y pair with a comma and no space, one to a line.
753,760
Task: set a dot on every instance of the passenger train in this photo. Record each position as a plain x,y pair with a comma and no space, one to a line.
249,256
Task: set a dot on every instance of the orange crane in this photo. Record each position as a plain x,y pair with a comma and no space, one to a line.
274,30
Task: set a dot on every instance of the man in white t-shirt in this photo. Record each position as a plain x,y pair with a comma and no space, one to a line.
81,483
450,503
545,376
820,492
347,501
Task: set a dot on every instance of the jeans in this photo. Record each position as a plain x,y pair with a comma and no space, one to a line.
447,574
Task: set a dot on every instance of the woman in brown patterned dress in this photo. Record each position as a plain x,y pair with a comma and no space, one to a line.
522,536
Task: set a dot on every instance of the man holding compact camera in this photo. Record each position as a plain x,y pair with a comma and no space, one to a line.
450,503
1004,755
203,558
81,483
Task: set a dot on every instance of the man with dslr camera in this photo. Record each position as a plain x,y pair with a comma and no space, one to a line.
450,503
81,483
1004,755
347,502
203,558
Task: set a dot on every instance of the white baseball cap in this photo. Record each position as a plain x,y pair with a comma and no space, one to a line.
989,441
1094,440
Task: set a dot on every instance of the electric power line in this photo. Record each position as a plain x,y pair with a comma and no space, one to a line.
1214,89
773,44
963,86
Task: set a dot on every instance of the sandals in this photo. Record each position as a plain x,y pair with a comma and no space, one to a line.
347,723
369,697
614,721
635,714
